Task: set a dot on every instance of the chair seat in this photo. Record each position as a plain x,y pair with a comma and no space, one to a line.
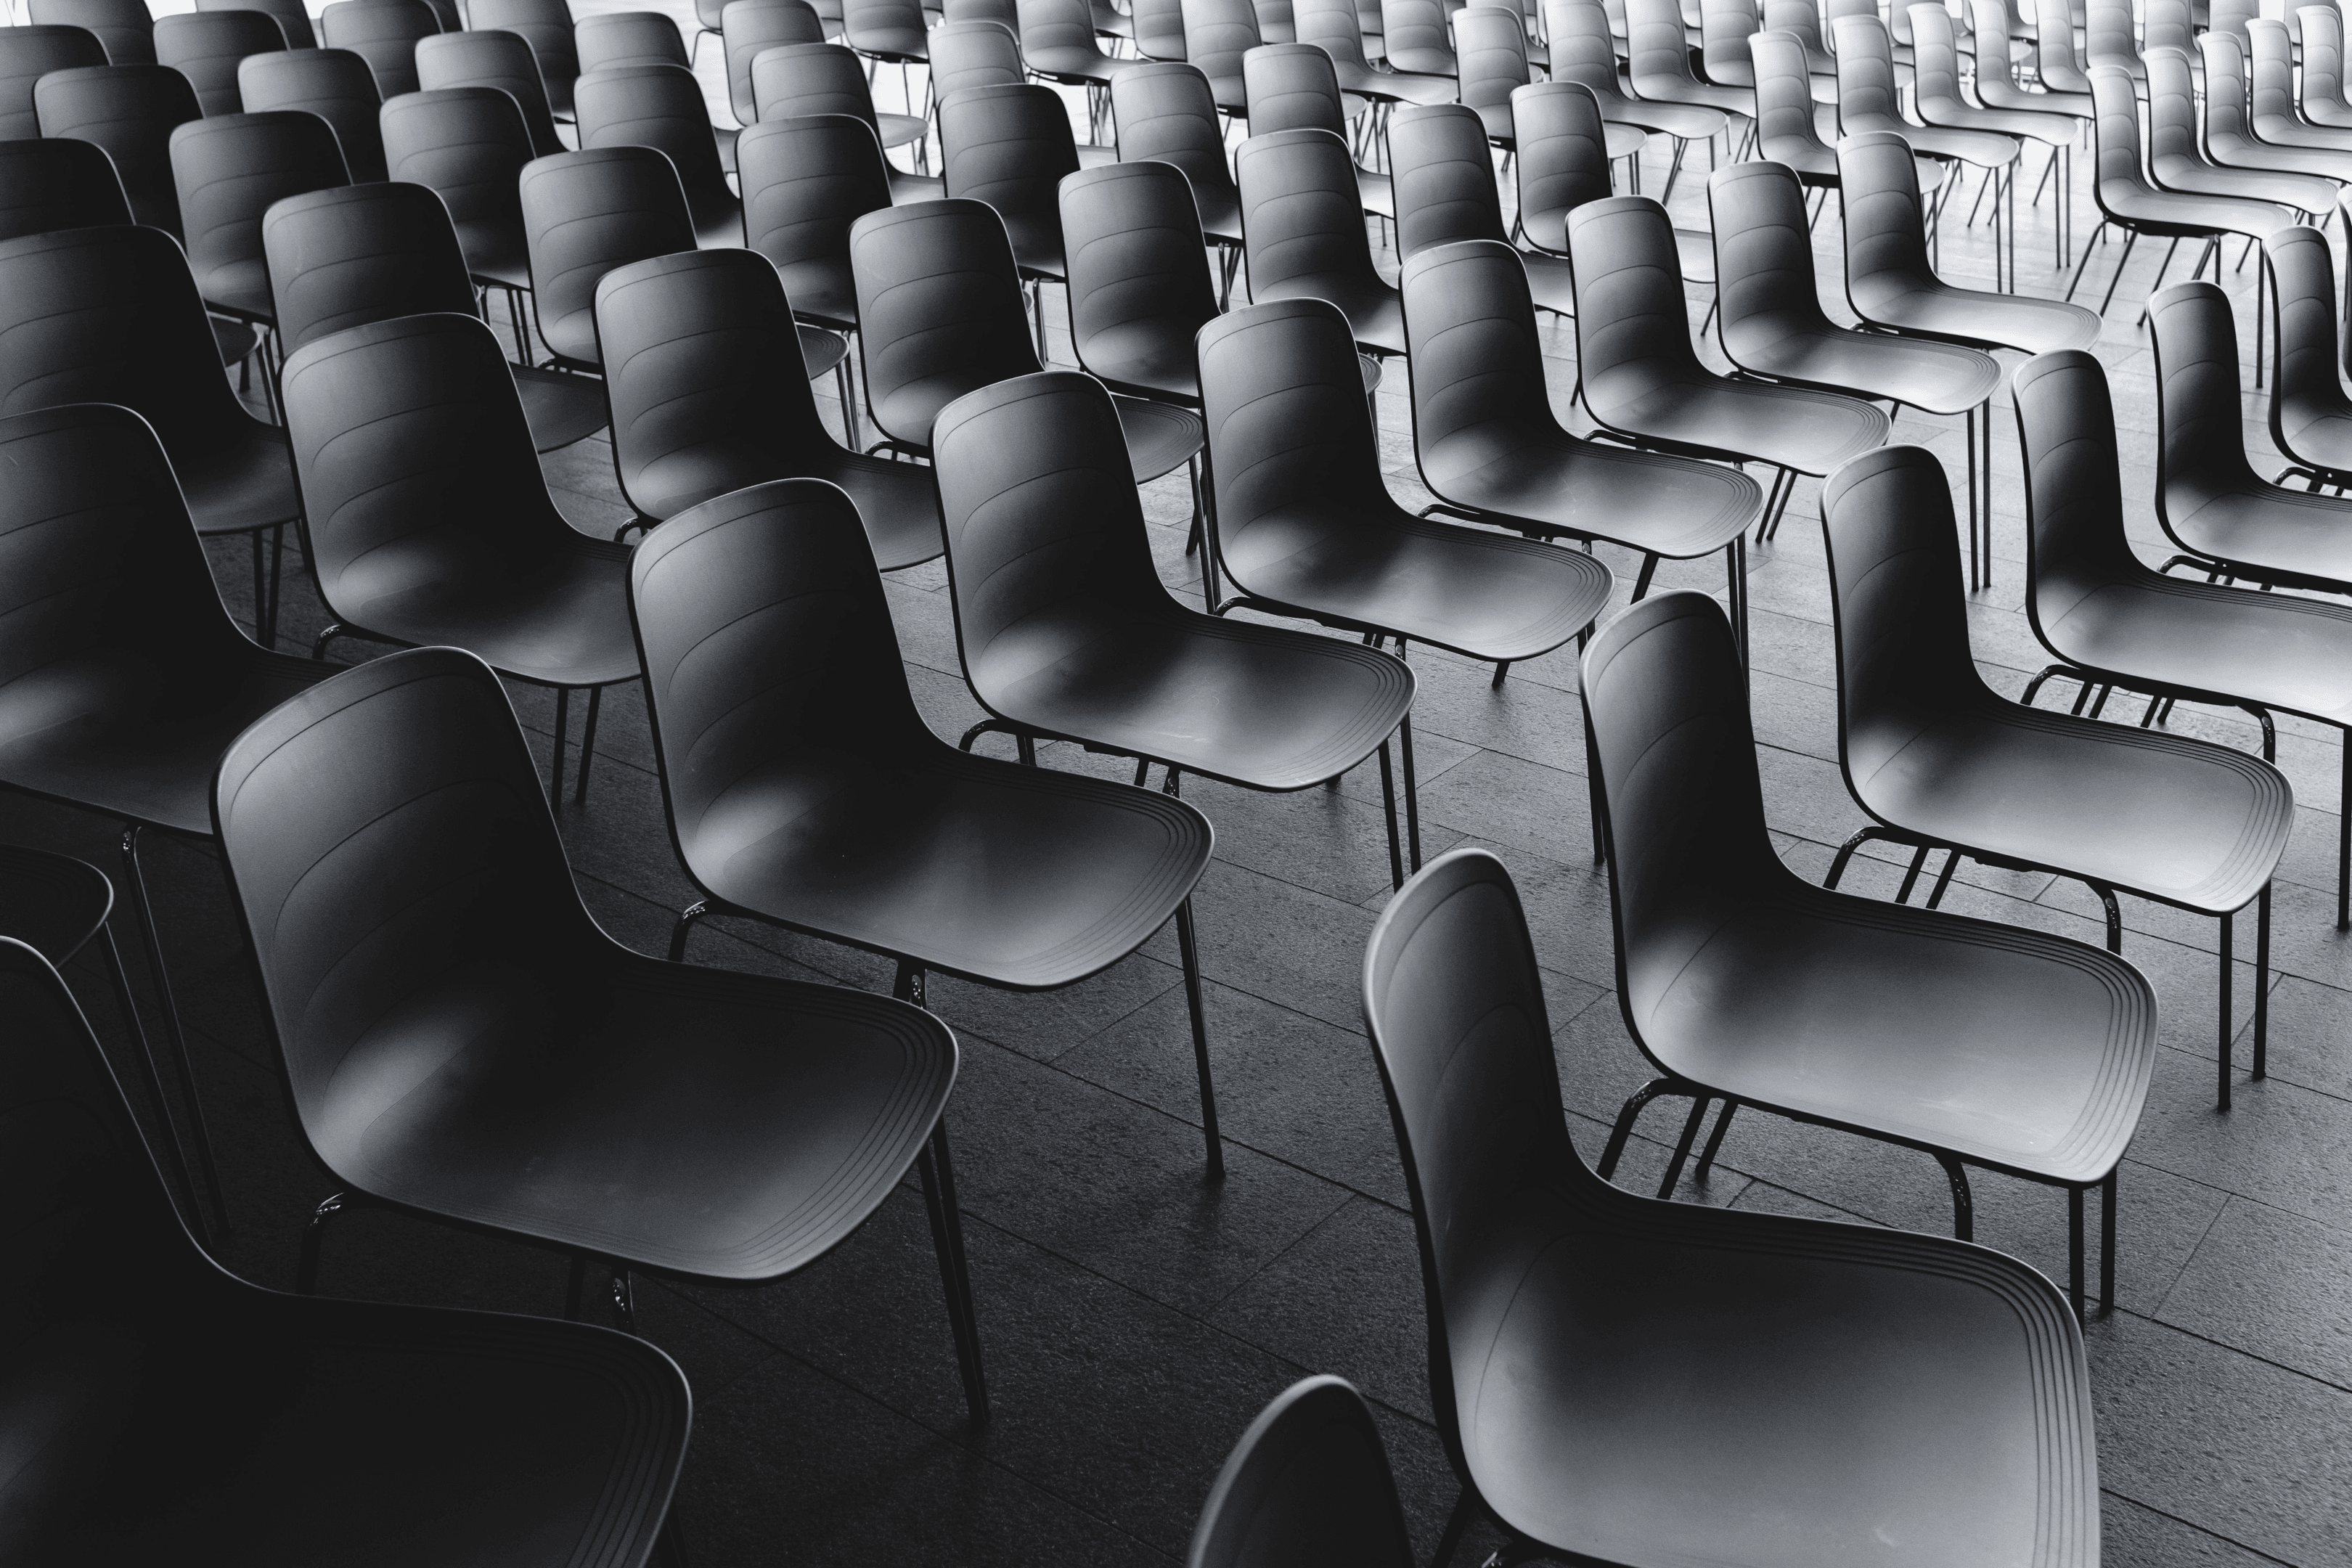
2076,105
1014,876
1660,505
1231,94
1221,215
2317,434
2294,534
1685,122
1390,87
1551,282
52,903
1708,417
718,219
2161,213
560,409
2195,826
1978,149
1656,90
2281,131
2050,130
2291,654
2008,1047
1145,358
2320,111
900,129
1805,1357
1940,378
1500,127
823,291
893,46
559,617
1074,66
898,503
1160,439
239,289
496,253
1486,595
1623,140
1264,707
1374,312
821,350
241,485
1934,309
2256,157
1423,62
2306,192
235,339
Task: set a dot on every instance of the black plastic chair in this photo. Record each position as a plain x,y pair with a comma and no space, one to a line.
124,28
1939,760
1557,1304
206,47
974,53
428,520
1140,287
747,26
1308,1485
790,80
500,60
701,405
888,32
609,38
940,314
1057,41
1217,34
584,214
1787,126
2177,162
2320,89
29,54
1336,27
1303,228
1445,188
229,168
1565,146
129,111
662,106
691,1122
1159,28
1009,147
2229,139
1167,113
2271,108
1049,560
1491,46
1014,876
547,26
468,145
2311,418
1585,51
806,181
1657,61
236,1422
384,34
1491,452
1295,87
1415,38
1304,525
341,258
336,84
292,17
1641,378
2112,622
53,183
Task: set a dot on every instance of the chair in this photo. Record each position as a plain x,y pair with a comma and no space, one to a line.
1334,26
806,181
1566,147
1492,59
2310,418
124,28
1217,34
789,80
53,183
1277,21
939,308
1308,1485
1010,147
747,26
1304,525
662,106
1294,86
1138,291
2110,38
701,407
2229,139
428,522
1416,39
2322,86
361,1408
129,111
336,84
547,26
1641,379
1937,759
29,54
752,1123
1057,42
1159,28
1303,228
206,47
1491,452
469,144
1772,327
1788,129
1048,559
2176,160
1445,180
969,53
1936,98
1658,62
1006,14
2271,104
344,258
1583,51
1868,105
1725,27
2112,622
292,17
384,33
2058,65
500,60
584,214
889,32
1167,113
229,168
1996,81
609,38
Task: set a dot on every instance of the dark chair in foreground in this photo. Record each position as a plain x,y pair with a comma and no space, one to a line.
336,84
1309,1486
413,918
207,47
49,182
187,1415
429,521
1802,1352
2311,418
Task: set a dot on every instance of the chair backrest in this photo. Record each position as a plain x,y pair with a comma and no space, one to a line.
336,84
1160,28
1332,26
1444,175
1056,25
29,54
1414,27
792,80
546,26
805,182
1302,214
1470,335
123,28
1139,267
2115,130
469,145
1563,162
1010,147
1866,75
344,258
747,26
1725,27
1785,127
2074,540
48,183
383,33
2272,51
1006,14
2056,57
1165,112
2304,344
379,831
229,168
584,214
626,38
2109,38
292,17
967,54
206,47
1291,434
1632,324
1803,20
939,310
2168,28
129,111
652,105
1276,22
2323,54
1658,47
1885,236
1582,49
1292,87
2171,112
1309,1486
1934,63
1993,62
1217,34
1765,284
890,26
500,60
1490,55
2230,17
2199,418
2225,88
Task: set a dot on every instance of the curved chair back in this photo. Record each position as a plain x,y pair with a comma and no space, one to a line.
1011,147
1139,275
1333,27
123,28
1159,29
1302,216
2199,418
885,29
29,54
584,214
2168,28
500,60
229,168
1632,324
1935,65
2110,38
1006,14
2172,142
1582,49
48,183
1293,86
292,17
971,54
1786,131
1217,34
1885,238
2074,541
1477,363
652,105
546,26
806,181
1167,112
1866,73
1563,160
611,38
792,80
2270,52
1490,45
1049,28
206,47
1276,23
129,111
1765,286
1658,47
2057,59
1444,175
2115,130
1309,1486
469,145
1415,30
336,84
344,258
747,26
2225,89
939,310
1282,393
705,379
384,34
2304,346
1725,27
1802,19
2229,17
2323,60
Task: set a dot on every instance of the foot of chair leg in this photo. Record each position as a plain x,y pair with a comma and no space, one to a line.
1964,1207
1615,1148
684,929
938,1174
1188,944
319,644
1845,854
197,1129
1502,668
306,1264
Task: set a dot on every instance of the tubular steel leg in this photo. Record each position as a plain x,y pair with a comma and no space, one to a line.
197,1127
1388,800
1642,578
938,1174
1845,855
1683,1144
2075,1250
2263,982
154,1079
684,929
1501,670
306,1266
1188,944
2344,845
2227,952
1715,1141
562,727
1951,864
2114,918
1411,786
1963,1209
1615,1149
2108,1244
1456,1524
1911,875
587,743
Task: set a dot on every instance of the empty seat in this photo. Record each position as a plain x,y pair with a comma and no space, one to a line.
1493,63
608,38
206,46
889,31
384,34
29,54
805,180
1445,187
584,214
1167,113
1415,38
336,84
2311,418
792,80
1334,26
1057,42
1294,86
546,26
292,17
57,182
500,60
229,169
1217,34
469,145
128,110
662,106
1010,147
1303,223
123,28
747,26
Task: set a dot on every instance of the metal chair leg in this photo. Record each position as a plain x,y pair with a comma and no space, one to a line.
1188,944
2108,1242
587,743
2075,1250
1964,1207
2263,982
684,929
1715,1141
562,728
1464,1508
1682,1145
1632,1112
955,1277
305,1267
2228,952
178,1036
1388,803
172,1143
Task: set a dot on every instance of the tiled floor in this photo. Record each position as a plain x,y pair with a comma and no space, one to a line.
1135,1318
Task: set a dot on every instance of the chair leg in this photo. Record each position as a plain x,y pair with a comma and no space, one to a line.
1412,787
1964,1207
2227,952
1845,854
2075,1250
1642,578
2344,845
587,743
1188,944
306,1266
172,1144
1615,1148
2108,1242
2262,984
1388,802
1911,874
178,1036
562,728
1715,1141
955,1277
1502,668
1682,1145
319,644
1457,1523
684,929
